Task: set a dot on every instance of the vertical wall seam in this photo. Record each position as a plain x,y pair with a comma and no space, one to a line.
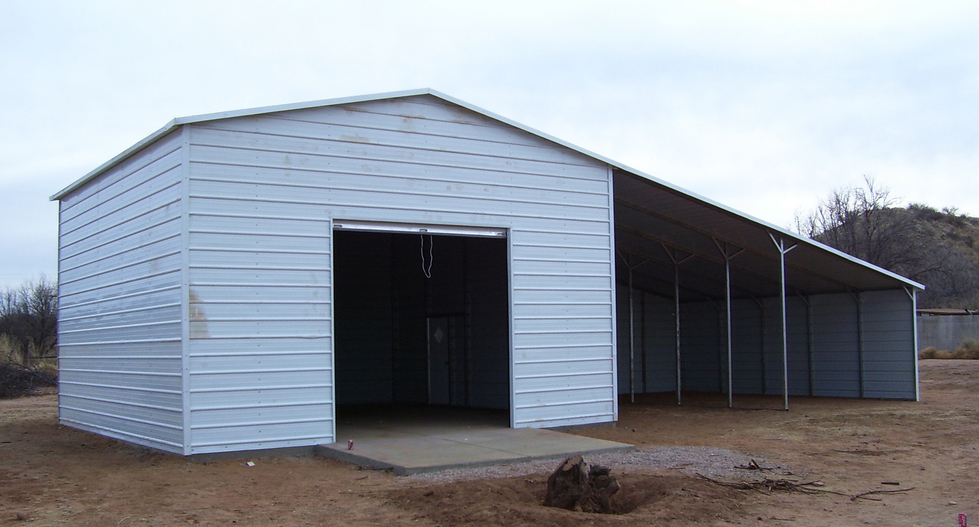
60,220
764,363
809,347
185,286
914,343
858,297
510,366
614,301
642,339
333,335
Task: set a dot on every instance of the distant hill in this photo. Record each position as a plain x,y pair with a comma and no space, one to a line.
955,236
939,249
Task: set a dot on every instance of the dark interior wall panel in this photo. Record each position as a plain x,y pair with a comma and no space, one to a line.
622,337
655,342
363,324
701,343
832,367
488,303
659,343
445,258
888,345
797,333
410,346
747,359
772,343
835,346
797,324
445,294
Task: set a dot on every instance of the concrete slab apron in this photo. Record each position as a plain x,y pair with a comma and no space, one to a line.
416,449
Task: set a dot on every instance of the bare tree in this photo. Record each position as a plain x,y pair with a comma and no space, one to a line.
29,320
867,222
862,221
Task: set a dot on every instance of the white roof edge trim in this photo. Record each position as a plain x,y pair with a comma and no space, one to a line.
675,188
179,121
428,91
125,154
693,195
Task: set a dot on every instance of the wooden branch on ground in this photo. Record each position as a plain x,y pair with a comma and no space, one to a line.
869,492
771,485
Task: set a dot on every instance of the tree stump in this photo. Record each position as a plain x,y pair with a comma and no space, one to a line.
577,487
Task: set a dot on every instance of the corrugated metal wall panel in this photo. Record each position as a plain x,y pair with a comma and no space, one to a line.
119,281
702,340
747,357
835,346
798,346
427,162
622,338
260,309
888,344
885,367
659,343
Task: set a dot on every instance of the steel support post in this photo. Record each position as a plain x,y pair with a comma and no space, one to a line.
913,293
782,251
723,248
730,348
676,315
632,341
632,328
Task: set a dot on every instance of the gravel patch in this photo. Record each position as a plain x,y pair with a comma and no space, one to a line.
712,462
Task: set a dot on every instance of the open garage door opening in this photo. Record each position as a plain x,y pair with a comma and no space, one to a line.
421,325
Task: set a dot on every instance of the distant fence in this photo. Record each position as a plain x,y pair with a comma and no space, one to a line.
946,332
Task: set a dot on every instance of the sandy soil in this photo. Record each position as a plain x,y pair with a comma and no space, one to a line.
53,475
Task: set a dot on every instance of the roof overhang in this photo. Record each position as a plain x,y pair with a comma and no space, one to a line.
652,217
657,224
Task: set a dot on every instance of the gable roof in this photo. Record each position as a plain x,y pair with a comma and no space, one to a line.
692,214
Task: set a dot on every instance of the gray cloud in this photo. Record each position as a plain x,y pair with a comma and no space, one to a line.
754,104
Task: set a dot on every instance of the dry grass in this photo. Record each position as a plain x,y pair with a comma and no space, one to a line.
969,349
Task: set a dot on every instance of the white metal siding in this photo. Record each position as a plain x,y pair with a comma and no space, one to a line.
260,337
119,322
261,192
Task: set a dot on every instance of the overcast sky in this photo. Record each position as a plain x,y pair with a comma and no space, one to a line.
765,106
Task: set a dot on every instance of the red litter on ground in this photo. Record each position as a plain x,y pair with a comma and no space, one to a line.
350,446
963,521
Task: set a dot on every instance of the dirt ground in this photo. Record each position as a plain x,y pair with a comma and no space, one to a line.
54,475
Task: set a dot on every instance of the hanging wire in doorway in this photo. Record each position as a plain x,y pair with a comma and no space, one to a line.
431,244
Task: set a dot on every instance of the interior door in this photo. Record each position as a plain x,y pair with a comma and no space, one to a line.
439,390
447,361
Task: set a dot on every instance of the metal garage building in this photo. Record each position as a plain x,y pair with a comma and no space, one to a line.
232,278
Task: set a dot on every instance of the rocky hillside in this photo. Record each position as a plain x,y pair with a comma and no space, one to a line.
955,237
939,249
